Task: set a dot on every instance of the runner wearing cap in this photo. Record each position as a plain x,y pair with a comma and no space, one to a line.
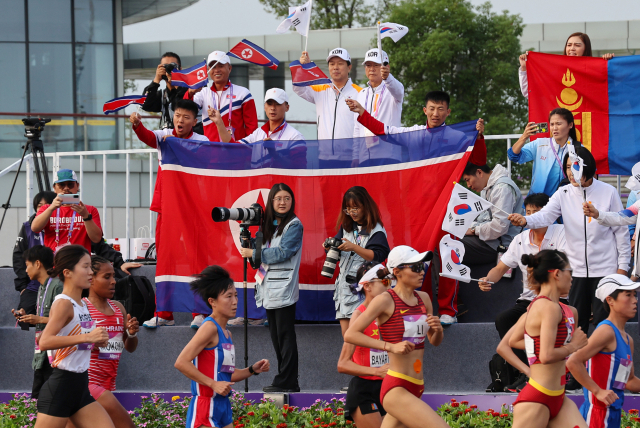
367,366
609,355
406,319
289,152
66,224
241,119
335,122
382,99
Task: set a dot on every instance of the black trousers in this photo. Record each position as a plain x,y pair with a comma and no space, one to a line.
477,252
283,337
507,319
28,302
583,297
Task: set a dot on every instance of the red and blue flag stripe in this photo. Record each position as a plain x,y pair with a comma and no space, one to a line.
307,74
250,52
193,77
116,104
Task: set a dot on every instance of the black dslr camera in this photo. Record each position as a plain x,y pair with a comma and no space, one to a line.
333,257
169,68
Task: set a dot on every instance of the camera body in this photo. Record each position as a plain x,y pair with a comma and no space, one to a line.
33,126
333,257
251,216
169,68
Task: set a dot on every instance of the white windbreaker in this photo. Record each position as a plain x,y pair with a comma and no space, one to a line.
624,218
335,120
594,251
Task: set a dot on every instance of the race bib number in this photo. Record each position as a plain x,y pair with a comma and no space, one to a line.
624,370
229,361
415,328
530,349
86,327
114,347
378,358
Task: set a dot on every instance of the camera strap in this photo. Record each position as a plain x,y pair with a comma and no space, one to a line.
73,219
552,143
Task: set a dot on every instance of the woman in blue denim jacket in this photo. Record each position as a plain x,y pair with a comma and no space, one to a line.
277,285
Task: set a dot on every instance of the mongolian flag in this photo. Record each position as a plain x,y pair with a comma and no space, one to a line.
247,51
604,97
116,104
193,77
411,192
307,74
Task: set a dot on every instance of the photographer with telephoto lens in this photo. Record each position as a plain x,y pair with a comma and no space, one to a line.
277,287
361,237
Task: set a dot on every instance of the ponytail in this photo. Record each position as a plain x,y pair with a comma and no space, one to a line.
539,265
66,258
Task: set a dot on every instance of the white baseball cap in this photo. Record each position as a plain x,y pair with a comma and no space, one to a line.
340,53
372,55
276,94
613,282
218,56
403,254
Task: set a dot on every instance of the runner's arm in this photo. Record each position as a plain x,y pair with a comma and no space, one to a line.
205,337
515,336
355,333
60,315
435,334
130,343
602,338
347,366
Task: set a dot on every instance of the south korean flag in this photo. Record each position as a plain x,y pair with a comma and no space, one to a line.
634,181
451,254
464,206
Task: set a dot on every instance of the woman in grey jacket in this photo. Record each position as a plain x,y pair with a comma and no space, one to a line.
277,286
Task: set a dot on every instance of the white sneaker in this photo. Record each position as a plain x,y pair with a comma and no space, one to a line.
448,320
156,322
236,321
256,322
197,322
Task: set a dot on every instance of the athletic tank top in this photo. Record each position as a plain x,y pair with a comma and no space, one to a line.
611,370
73,358
368,357
407,322
218,363
104,361
563,336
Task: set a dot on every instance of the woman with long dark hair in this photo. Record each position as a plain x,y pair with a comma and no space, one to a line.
363,239
547,332
577,44
547,153
277,288
68,338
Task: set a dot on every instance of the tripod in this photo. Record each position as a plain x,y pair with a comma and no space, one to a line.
32,129
245,236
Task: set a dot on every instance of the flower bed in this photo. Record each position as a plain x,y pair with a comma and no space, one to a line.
155,412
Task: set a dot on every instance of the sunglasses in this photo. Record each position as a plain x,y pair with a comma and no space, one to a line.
69,184
415,267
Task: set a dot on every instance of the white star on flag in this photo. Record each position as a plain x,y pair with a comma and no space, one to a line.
451,254
464,206
299,17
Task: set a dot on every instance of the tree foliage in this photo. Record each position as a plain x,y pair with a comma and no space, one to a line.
470,52
328,14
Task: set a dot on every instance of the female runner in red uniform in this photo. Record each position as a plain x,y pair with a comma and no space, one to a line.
547,333
405,319
367,366
122,335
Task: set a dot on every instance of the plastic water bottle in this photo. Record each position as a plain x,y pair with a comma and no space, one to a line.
116,245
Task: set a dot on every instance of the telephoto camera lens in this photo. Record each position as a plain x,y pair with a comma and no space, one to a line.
241,214
332,259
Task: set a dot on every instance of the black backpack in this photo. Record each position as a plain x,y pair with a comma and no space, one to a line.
502,374
137,296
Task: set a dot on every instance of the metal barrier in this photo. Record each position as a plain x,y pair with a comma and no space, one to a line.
150,153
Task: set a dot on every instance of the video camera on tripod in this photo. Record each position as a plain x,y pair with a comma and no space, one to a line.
33,127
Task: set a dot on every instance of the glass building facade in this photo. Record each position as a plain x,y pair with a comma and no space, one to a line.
61,58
